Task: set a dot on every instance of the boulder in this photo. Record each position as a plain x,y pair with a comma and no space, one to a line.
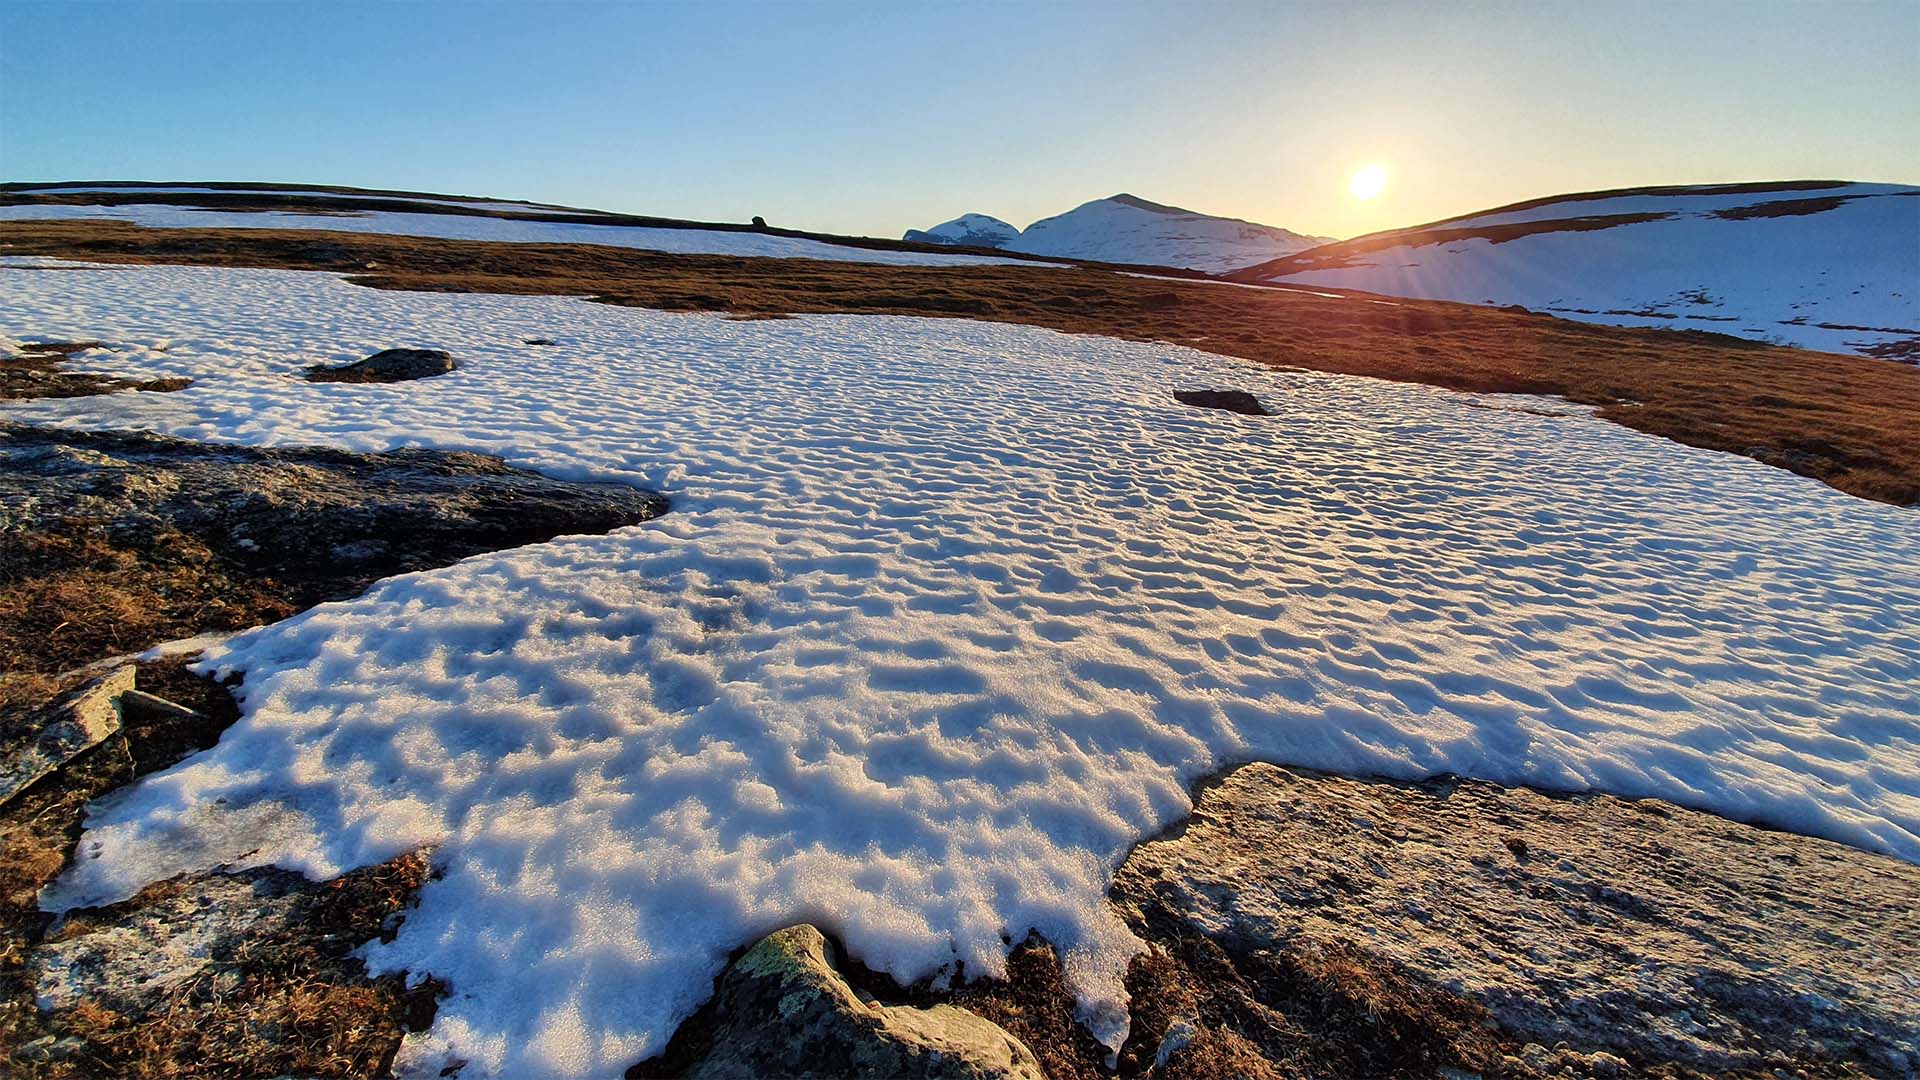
387,366
783,1009
33,745
1238,401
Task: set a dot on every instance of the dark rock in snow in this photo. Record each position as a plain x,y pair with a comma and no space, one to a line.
1231,400
322,523
782,1009
1596,936
386,366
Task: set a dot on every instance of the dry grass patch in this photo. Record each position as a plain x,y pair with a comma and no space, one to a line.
76,592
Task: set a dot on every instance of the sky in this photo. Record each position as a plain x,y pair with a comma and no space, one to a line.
872,118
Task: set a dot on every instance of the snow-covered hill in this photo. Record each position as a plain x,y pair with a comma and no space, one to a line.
1126,229
967,230
1820,264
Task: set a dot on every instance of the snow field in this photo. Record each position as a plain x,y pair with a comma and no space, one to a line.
946,617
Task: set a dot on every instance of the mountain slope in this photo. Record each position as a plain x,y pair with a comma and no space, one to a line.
1127,229
1820,264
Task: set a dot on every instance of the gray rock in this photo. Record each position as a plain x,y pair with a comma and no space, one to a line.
783,1010
129,962
37,743
1237,401
324,523
1611,931
388,365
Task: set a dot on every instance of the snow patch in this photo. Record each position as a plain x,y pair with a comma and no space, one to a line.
947,617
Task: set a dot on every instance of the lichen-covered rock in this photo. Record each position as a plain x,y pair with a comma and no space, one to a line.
249,973
782,1009
35,743
1601,936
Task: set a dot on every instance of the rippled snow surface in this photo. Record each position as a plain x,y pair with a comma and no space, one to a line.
946,616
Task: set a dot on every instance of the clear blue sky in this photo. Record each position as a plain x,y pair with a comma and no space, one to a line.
873,118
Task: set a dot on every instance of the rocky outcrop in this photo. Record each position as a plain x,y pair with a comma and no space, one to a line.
1598,936
320,521
387,366
783,1009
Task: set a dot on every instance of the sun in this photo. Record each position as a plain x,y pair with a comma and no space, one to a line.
1370,181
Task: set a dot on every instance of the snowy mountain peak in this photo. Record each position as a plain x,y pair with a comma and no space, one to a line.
1125,228
1148,205
967,230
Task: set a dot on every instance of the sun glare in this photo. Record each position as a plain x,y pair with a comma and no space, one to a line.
1368,182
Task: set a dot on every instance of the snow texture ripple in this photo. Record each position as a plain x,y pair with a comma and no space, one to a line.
947,616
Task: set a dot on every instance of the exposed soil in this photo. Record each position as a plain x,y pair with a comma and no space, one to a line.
35,372
1845,420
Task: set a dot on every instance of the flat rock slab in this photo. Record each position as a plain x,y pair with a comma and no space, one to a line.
1237,401
127,958
783,1009
35,744
323,523
388,366
1630,931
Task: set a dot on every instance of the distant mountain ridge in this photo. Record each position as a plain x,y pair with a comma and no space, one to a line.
1128,229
